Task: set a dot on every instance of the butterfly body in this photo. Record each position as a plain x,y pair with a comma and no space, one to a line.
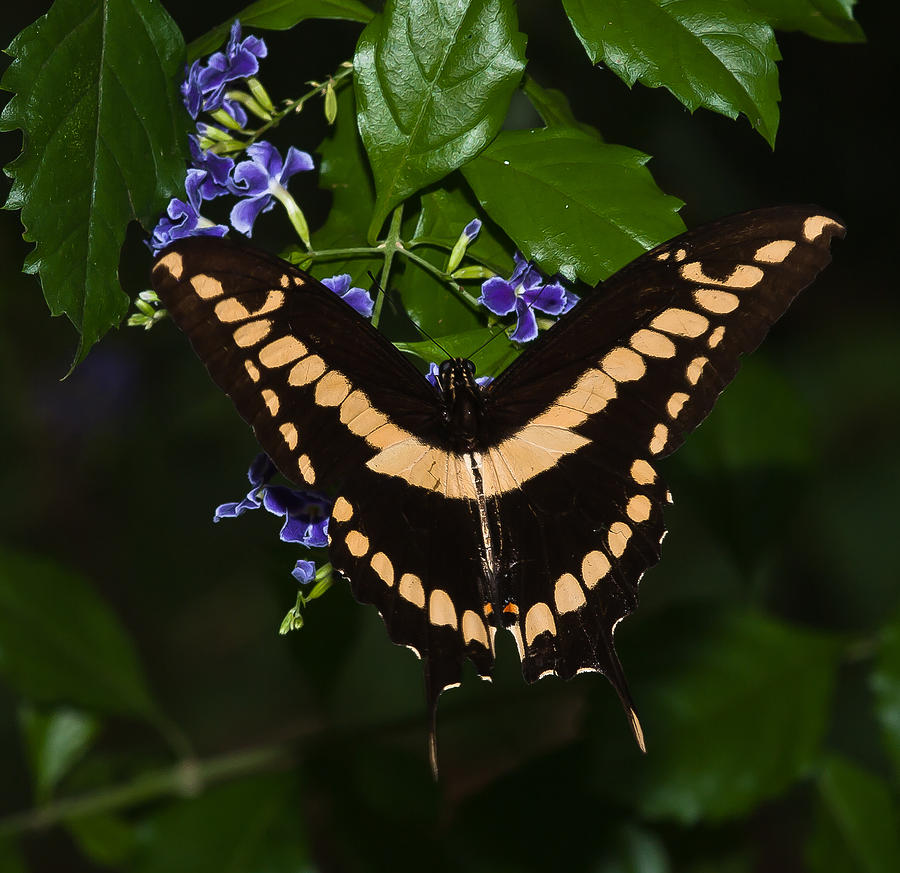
532,504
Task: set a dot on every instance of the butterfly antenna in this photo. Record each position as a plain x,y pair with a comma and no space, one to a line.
419,327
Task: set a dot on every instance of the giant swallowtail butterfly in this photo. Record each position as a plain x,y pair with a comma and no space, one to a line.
531,504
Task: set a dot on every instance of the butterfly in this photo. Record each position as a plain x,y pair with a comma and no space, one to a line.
531,503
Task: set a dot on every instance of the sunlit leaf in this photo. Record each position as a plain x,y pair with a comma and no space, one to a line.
433,82
56,740
97,98
279,15
574,204
823,19
717,55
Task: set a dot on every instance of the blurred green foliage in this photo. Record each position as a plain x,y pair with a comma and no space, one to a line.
151,717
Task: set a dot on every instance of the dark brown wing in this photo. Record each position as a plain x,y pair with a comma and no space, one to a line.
327,395
574,425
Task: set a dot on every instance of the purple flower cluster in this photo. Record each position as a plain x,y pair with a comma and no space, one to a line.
524,292
204,85
305,514
257,182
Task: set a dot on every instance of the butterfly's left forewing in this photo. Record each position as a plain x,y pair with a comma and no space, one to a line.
338,408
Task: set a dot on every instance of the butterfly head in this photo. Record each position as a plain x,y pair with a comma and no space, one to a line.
462,401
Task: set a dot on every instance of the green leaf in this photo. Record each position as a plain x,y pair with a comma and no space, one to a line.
433,82
717,55
574,204
445,212
56,741
342,171
247,826
59,643
886,688
106,839
498,354
97,98
761,421
732,718
430,303
823,19
554,108
278,15
857,823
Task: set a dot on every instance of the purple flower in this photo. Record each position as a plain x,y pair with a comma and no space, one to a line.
191,90
305,513
358,298
432,376
261,471
304,572
235,110
217,169
525,292
262,178
239,61
184,218
472,229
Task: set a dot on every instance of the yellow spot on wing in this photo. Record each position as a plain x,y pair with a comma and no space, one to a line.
357,543
364,423
695,368
660,436
594,567
539,620
171,262
252,370
304,464
713,300
271,400
289,432
441,610
332,388
742,276
253,332
231,309
643,473
306,370
281,351
383,567
624,365
653,344
675,403
774,252
716,336
567,594
342,510
411,589
206,287
681,322
593,390
638,508
473,629
813,226
617,538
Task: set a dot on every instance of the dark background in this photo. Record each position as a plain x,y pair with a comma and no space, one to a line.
785,500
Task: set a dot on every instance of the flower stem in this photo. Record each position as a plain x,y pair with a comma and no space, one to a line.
391,245
187,778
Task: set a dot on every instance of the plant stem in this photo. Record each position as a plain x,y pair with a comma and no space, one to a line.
186,779
391,246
